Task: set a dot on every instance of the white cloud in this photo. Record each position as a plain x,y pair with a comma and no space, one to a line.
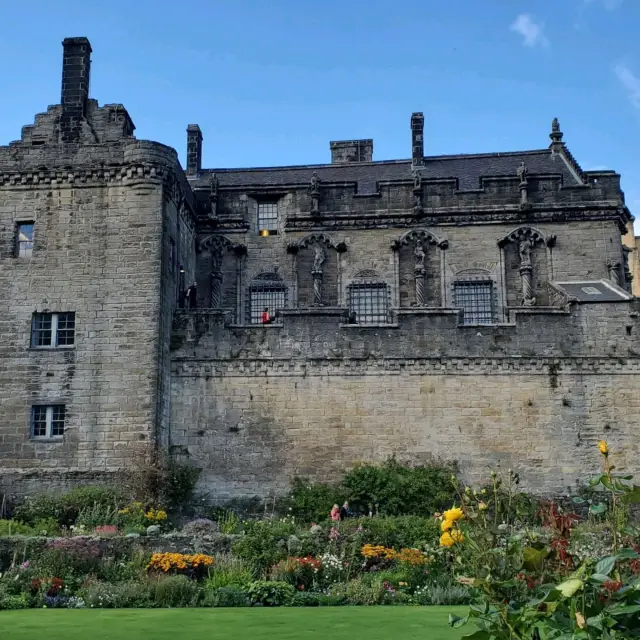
609,5
530,30
630,81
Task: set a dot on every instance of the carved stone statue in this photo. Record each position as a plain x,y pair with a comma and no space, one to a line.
319,258
555,125
524,248
614,271
417,181
315,183
420,256
213,185
522,172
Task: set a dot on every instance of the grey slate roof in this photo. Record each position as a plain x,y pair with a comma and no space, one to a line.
468,169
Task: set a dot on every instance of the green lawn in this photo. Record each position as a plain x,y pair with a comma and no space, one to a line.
336,623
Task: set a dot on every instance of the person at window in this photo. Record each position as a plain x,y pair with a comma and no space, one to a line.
345,511
192,296
353,318
267,318
335,513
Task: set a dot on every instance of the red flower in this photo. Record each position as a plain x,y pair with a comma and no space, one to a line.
612,585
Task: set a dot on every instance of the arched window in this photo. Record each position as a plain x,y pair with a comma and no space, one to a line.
369,298
267,291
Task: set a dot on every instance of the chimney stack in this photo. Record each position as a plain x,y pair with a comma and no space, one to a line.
194,150
76,70
417,139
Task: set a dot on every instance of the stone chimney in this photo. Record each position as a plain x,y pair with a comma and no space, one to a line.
346,151
194,150
76,71
417,139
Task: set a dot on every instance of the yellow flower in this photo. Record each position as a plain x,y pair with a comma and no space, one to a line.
161,515
454,514
449,538
482,506
604,449
445,525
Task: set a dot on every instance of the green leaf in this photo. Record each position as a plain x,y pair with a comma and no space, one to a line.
623,611
570,587
633,495
456,621
578,500
597,480
533,558
479,634
597,509
627,554
597,577
605,566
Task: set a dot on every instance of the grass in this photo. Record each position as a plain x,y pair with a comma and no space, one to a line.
337,623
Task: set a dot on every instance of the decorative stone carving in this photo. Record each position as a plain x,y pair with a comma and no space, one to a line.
526,272
216,278
419,272
316,272
522,173
613,266
314,193
628,276
418,209
213,195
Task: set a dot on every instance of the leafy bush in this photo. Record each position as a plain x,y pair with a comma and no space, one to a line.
97,515
271,594
229,596
68,556
263,544
175,591
42,527
66,507
395,489
359,592
10,601
312,502
305,599
444,593
229,571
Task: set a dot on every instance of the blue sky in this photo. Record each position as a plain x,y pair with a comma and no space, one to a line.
273,82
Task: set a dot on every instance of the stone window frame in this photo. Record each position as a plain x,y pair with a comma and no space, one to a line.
369,278
54,320
476,276
265,282
50,417
17,242
271,222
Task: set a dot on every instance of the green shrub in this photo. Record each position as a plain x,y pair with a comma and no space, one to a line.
312,502
271,594
66,507
14,528
229,571
305,599
395,489
11,601
97,515
395,532
175,591
64,557
359,592
229,596
177,485
97,594
263,544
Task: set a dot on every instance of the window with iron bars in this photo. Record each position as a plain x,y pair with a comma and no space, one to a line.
370,302
47,421
475,298
268,217
266,295
24,240
53,329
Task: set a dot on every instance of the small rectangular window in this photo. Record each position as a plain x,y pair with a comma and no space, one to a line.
53,329
47,421
369,302
268,218
264,297
24,239
475,298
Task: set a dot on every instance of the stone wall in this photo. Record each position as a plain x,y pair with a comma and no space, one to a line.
255,407
98,212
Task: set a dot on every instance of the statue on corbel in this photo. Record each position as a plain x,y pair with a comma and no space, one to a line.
418,209
522,173
314,194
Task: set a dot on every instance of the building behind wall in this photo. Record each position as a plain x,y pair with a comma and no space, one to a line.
471,307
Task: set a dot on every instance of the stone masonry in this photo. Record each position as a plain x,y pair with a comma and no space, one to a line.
472,307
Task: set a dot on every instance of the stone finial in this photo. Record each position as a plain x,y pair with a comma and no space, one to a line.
556,134
417,138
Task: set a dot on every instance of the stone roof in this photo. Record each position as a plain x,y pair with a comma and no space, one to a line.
467,169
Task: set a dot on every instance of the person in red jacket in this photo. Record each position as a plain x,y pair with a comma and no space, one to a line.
266,316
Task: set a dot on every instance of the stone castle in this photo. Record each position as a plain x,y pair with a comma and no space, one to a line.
469,307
